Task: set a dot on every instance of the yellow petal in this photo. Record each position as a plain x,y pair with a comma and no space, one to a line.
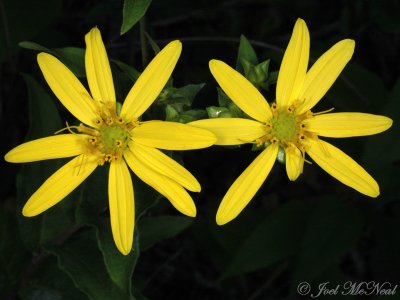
323,73
122,208
59,185
58,146
68,89
294,162
172,136
151,82
294,65
347,124
241,91
98,71
246,185
171,190
339,165
232,131
166,166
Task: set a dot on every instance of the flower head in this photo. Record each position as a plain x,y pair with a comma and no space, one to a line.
120,139
289,123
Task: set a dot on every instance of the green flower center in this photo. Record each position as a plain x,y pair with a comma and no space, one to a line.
285,127
110,137
113,138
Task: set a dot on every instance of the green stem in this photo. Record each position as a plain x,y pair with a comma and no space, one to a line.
143,42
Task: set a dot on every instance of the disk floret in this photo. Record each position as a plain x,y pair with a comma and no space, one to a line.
286,127
110,138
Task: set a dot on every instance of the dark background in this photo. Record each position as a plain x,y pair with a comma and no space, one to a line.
313,230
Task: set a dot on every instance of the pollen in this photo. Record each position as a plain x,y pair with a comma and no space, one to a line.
110,138
284,125
286,128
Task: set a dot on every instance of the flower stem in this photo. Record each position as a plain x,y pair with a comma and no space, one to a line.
143,46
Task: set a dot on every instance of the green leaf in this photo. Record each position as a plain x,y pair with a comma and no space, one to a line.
44,121
245,52
130,72
43,114
156,229
216,111
273,77
223,99
191,115
188,92
91,205
81,259
275,238
333,229
132,12
92,198
171,114
72,57
153,44
183,95
119,267
34,46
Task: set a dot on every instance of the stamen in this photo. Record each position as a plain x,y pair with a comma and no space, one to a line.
109,137
99,122
80,163
67,128
323,112
84,129
93,140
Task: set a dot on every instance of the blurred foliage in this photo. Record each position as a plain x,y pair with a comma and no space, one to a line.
314,229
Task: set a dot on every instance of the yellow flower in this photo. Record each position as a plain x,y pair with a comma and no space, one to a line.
289,124
105,136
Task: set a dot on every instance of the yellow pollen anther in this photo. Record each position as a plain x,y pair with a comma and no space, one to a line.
110,138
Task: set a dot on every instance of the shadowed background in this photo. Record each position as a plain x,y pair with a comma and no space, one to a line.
314,230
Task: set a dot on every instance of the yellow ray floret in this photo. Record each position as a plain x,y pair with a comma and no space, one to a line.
246,185
104,137
294,65
289,124
58,146
151,81
232,131
240,90
59,185
122,210
98,71
172,136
